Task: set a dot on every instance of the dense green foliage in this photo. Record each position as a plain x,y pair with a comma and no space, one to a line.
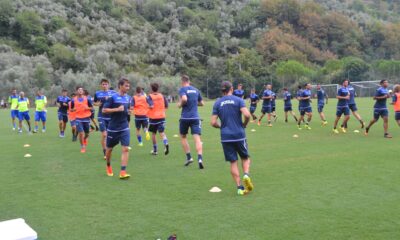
279,41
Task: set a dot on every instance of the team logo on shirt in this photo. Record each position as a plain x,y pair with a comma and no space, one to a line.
191,91
227,102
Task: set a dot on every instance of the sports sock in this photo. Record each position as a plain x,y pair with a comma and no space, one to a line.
188,156
155,147
139,138
165,141
123,168
200,157
104,152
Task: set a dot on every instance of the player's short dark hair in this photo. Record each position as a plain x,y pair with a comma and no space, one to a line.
299,87
78,87
226,86
305,85
185,78
346,80
122,81
86,92
103,80
139,89
64,90
382,81
73,94
154,87
284,89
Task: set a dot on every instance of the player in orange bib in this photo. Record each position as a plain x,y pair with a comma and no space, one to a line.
139,108
72,119
396,103
157,104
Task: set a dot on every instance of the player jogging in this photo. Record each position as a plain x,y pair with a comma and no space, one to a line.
322,99
117,106
287,100
13,102
396,103
93,111
305,106
353,106
82,105
72,119
239,92
100,98
62,103
380,108
41,112
254,99
229,110
266,106
157,104
140,108
273,106
189,99
342,108
23,111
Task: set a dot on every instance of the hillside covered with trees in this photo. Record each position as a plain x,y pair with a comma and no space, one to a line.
54,44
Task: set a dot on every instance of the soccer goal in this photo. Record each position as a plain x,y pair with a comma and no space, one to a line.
330,89
367,88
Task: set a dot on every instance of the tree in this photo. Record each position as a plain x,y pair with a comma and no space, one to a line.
6,13
27,24
355,69
290,72
41,77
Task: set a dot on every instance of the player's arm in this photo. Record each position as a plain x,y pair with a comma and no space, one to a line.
107,107
165,102
267,97
96,101
182,100
200,101
246,115
150,102
214,121
394,99
326,98
90,103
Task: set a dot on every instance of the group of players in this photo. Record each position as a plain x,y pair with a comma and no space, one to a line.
346,103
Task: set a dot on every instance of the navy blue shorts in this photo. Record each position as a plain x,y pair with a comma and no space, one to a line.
273,108
253,109
123,137
353,107
232,149
14,113
193,124
62,117
103,124
83,126
266,109
157,125
73,123
287,108
321,108
397,116
304,110
40,116
342,110
24,115
378,112
141,123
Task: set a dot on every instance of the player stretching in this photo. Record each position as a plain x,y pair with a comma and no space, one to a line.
72,119
229,110
40,113
100,98
380,108
140,109
322,98
396,103
13,102
63,103
353,106
189,99
82,105
239,92
305,106
23,111
254,99
117,106
157,104
287,99
343,96
266,106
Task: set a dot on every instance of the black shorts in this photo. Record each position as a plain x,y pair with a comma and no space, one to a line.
157,125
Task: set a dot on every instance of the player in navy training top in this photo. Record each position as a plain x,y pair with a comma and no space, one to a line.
117,106
380,108
254,99
305,106
273,106
189,99
298,95
62,103
287,104
100,97
322,98
92,116
353,106
342,108
239,92
229,110
266,105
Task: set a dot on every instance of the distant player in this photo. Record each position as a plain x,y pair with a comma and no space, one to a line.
117,106
229,110
23,111
254,99
63,103
322,99
396,103
266,105
287,100
353,106
41,112
239,92
189,99
82,105
72,118
273,106
100,97
158,105
380,108
13,102
343,96
305,106
140,108
93,111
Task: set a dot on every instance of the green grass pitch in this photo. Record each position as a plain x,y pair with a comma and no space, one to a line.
318,186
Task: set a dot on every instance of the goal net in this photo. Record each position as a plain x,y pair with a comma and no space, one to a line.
330,89
367,88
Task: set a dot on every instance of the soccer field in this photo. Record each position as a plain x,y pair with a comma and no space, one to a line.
317,186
